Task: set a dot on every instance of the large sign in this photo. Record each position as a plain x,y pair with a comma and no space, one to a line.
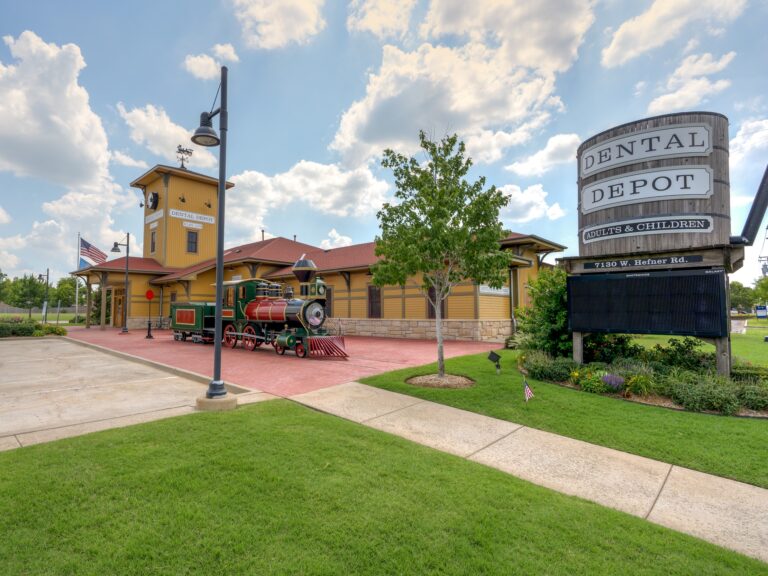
645,226
154,216
680,140
661,261
647,185
487,290
657,185
194,216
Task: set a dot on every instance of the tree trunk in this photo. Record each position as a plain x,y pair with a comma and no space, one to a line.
439,334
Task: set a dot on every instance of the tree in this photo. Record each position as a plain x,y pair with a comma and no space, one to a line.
742,297
441,226
4,286
26,292
65,291
761,290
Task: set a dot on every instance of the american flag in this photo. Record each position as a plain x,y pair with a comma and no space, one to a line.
527,390
90,251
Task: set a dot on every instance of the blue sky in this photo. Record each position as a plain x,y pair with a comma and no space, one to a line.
94,93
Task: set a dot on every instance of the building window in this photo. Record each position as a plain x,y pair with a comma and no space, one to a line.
374,302
152,238
329,301
431,308
173,296
191,242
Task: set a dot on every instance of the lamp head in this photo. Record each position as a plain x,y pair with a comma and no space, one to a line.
115,248
205,135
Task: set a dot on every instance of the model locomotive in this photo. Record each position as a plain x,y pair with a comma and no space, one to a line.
256,311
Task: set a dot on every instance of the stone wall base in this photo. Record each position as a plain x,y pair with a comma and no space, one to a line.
480,330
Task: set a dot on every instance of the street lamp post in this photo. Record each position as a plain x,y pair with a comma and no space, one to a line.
116,249
205,135
45,303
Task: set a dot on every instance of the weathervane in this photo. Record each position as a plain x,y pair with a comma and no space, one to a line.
183,154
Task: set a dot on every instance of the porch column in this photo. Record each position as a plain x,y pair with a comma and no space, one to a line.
103,285
88,304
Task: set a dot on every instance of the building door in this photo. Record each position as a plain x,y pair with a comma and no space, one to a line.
329,301
374,302
117,319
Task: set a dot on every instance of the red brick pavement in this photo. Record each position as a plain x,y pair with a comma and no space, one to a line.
286,375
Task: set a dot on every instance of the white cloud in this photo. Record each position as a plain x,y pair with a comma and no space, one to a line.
382,18
494,90
152,127
692,44
335,240
225,52
326,187
124,159
207,67
545,34
640,87
46,114
688,85
472,90
271,24
4,216
664,21
560,149
529,204
752,137
202,66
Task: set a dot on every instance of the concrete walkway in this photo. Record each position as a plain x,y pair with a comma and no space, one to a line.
725,512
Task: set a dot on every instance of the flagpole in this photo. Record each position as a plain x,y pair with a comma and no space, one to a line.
77,284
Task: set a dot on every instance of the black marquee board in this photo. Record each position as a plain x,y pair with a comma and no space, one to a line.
679,302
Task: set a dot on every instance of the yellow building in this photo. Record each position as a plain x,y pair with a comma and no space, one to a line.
178,263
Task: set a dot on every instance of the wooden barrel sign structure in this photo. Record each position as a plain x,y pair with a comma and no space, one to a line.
655,185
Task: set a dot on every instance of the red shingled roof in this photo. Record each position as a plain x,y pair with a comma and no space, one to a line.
346,258
278,250
135,264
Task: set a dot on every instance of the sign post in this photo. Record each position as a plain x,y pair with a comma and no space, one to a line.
149,294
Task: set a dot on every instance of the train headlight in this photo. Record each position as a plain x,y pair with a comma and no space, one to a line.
314,313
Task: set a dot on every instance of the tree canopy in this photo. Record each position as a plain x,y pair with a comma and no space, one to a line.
742,297
440,226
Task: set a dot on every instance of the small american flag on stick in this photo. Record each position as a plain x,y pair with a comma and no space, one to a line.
90,251
527,390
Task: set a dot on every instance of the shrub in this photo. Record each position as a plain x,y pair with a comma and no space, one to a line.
614,382
5,330
541,366
38,333
55,330
77,319
24,329
707,392
749,373
609,347
638,385
754,396
592,381
683,353
544,325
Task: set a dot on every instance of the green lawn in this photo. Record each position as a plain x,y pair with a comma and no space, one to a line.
757,323
726,446
275,488
748,347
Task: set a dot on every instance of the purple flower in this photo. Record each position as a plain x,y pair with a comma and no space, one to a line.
613,381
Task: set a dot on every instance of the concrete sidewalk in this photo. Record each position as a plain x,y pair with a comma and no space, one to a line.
725,512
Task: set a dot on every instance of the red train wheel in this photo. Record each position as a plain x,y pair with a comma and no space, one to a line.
280,349
230,338
249,338
301,351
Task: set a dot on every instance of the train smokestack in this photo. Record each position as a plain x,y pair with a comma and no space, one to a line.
304,269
